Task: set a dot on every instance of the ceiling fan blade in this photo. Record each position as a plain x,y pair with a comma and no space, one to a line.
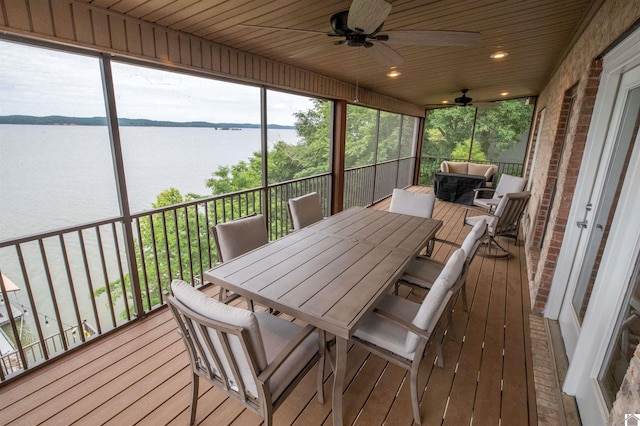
366,16
312,50
262,27
433,38
384,54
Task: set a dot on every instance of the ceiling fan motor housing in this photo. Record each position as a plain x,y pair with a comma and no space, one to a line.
339,23
464,99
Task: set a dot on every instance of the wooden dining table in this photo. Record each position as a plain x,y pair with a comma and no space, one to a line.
330,274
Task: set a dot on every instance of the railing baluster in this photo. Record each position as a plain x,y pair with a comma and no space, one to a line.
87,271
143,262
120,271
72,289
52,292
188,242
106,276
166,250
156,260
32,304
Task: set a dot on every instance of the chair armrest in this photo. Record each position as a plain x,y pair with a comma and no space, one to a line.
406,324
477,210
476,190
440,240
284,354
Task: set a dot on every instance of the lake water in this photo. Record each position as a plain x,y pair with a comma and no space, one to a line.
56,176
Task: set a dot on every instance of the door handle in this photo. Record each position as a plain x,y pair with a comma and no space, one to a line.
582,224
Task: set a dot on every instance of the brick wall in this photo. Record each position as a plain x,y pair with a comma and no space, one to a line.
579,71
555,200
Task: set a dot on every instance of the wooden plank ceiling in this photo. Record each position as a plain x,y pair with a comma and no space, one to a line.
535,34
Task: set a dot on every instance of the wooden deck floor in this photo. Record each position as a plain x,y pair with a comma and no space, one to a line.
139,375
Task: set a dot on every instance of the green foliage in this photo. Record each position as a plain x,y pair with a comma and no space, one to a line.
497,129
162,256
360,136
462,151
445,128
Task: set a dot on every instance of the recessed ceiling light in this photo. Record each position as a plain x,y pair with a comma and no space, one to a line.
445,102
393,73
504,93
499,55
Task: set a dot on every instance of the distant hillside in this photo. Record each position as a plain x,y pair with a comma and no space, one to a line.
58,120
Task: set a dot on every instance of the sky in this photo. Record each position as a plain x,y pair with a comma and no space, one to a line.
40,82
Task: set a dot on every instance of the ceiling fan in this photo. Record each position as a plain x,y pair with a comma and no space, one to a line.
463,101
361,26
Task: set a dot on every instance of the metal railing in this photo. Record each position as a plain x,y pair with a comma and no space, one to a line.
429,165
78,278
366,185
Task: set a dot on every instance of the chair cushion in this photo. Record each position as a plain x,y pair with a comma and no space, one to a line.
472,241
240,236
276,334
305,210
426,316
490,220
212,309
387,334
412,203
509,184
457,167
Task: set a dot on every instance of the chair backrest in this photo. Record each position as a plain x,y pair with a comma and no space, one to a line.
239,236
508,184
412,203
508,213
474,238
486,170
454,167
224,342
305,210
431,308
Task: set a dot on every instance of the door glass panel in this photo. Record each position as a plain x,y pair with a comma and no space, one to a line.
602,220
624,343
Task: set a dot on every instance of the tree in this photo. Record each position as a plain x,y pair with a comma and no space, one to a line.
162,237
497,129
445,128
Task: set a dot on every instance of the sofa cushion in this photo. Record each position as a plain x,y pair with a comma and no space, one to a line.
485,170
461,168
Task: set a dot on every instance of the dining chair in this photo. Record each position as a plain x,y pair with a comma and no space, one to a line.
506,185
253,357
504,222
413,204
423,271
305,210
400,330
235,238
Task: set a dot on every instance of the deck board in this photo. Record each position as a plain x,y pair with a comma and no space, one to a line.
140,374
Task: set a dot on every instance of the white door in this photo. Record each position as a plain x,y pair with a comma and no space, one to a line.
606,251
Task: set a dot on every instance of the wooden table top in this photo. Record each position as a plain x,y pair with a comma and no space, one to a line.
331,273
